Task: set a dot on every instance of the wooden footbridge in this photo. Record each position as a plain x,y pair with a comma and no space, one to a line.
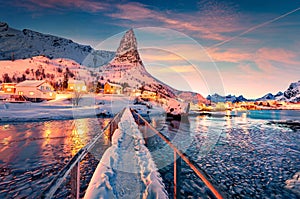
72,169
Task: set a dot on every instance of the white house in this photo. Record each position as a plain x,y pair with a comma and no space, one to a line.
36,90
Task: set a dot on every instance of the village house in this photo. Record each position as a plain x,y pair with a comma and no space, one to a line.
9,88
36,90
76,85
149,95
110,88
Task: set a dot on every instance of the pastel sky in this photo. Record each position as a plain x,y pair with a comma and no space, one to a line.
248,47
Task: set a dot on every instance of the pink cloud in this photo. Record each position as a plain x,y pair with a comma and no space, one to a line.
230,55
277,55
266,57
263,57
209,22
90,6
200,24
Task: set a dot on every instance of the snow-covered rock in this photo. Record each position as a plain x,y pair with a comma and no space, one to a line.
292,94
16,44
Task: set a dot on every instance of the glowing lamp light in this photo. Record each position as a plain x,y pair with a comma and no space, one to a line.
31,93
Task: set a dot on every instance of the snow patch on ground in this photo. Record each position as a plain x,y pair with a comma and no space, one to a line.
89,106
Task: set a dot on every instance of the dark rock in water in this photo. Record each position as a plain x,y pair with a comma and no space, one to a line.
294,125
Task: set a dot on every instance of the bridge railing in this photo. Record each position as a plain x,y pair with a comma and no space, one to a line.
72,168
179,156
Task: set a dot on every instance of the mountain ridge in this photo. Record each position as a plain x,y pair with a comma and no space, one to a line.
17,44
291,94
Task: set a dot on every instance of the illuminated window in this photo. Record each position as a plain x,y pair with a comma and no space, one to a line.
50,94
84,88
31,93
8,89
20,92
71,87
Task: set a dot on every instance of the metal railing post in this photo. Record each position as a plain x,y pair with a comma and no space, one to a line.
177,171
75,181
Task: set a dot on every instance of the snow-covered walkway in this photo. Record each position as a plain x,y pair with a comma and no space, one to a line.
126,169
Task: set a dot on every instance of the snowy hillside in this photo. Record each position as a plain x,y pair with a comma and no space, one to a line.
16,44
229,98
41,67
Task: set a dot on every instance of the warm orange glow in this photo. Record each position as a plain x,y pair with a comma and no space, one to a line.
79,135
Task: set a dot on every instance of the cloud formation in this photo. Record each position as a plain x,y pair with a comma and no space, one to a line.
207,24
88,6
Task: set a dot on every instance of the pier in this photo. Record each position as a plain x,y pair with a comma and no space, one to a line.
126,168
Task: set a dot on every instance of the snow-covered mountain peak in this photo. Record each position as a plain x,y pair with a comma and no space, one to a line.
17,44
127,52
292,94
128,42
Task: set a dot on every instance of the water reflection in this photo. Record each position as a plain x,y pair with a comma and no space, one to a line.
30,153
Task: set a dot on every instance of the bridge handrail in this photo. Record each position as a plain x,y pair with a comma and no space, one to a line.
199,172
50,190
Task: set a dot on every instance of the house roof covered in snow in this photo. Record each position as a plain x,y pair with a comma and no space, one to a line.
30,83
115,85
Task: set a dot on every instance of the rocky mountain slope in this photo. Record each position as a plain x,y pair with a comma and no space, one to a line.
16,44
229,98
128,68
292,94
269,96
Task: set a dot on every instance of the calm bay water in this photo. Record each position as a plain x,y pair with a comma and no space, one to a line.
32,153
247,157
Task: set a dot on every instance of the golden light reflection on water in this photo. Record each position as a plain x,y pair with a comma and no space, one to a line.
79,136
